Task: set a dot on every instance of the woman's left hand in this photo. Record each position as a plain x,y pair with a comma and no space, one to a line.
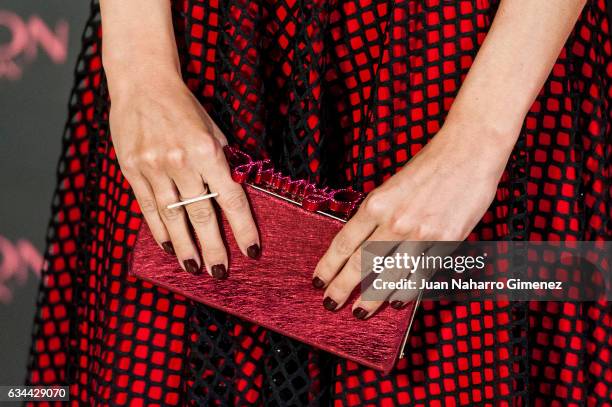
440,195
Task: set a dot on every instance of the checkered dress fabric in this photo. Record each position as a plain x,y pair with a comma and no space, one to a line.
343,93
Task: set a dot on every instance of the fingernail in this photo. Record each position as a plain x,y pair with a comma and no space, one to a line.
360,313
318,283
329,304
254,251
219,271
192,267
168,247
396,304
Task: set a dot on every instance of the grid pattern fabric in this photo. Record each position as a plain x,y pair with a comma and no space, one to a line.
344,93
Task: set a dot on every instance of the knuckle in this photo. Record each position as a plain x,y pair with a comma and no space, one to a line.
168,214
338,289
375,205
214,254
148,206
423,232
353,265
245,233
394,274
207,148
235,201
346,284
324,268
201,215
129,164
176,158
150,158
399,226
342,246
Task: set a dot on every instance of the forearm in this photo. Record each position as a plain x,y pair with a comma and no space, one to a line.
138,40
511,67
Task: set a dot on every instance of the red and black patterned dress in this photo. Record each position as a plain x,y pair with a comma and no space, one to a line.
344,92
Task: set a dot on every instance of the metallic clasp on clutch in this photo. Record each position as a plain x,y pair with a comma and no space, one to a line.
339,204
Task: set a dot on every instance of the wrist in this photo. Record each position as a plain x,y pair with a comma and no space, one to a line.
127,79
483,147
483,131
490,128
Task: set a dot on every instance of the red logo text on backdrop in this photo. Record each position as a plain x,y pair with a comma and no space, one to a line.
17,260
26,36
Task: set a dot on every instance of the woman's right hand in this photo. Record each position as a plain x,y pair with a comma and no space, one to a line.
169,149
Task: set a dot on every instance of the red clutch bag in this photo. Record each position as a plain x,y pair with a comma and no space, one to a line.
296,222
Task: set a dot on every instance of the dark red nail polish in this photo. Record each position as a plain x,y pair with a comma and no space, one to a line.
192,267
360,313
219,271
330,304
318,283
168,247
396,304
254,251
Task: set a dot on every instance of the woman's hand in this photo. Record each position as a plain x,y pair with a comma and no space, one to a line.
444,191
440,195
169,148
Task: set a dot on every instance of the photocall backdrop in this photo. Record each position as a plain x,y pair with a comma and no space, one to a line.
39,43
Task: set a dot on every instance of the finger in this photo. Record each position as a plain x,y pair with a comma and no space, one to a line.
234,203
430,250
175,221
148,206
342,285
408,252
204,221
342,247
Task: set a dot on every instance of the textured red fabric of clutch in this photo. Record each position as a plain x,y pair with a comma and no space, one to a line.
275,291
